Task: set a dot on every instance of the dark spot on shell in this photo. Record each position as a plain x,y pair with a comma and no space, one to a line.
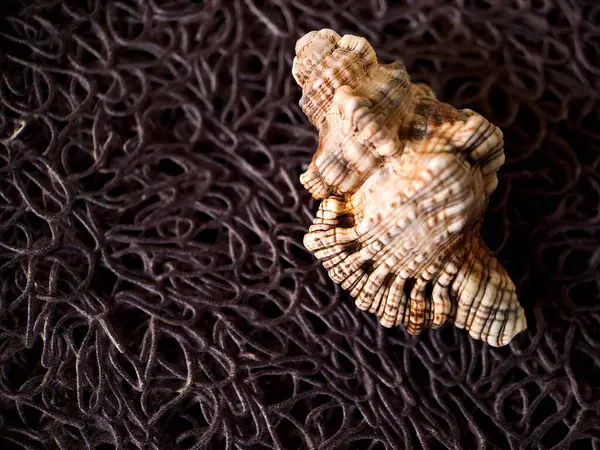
437,113
445,114
346,220
417,130
352,247
409,284
368,267
388,280
424,109
436,117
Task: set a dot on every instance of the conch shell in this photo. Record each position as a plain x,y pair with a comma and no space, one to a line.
404,182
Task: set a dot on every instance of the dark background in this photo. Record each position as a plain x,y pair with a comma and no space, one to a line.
154,290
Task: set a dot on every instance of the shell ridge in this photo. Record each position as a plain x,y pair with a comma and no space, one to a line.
498,301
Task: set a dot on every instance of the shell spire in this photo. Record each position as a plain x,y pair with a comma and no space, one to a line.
404,182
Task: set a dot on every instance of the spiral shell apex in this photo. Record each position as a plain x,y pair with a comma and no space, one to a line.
404,181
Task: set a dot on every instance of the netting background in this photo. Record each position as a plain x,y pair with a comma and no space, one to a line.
154,290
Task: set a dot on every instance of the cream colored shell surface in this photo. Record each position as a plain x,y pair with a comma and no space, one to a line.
404,182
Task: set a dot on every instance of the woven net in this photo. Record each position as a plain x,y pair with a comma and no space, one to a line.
154,289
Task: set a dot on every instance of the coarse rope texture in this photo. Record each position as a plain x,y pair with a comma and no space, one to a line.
154,289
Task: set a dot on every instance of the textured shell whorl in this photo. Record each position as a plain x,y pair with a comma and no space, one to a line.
404,182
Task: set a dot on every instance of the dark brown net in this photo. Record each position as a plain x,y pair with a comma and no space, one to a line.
154,290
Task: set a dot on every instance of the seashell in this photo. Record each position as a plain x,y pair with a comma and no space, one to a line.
404,182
